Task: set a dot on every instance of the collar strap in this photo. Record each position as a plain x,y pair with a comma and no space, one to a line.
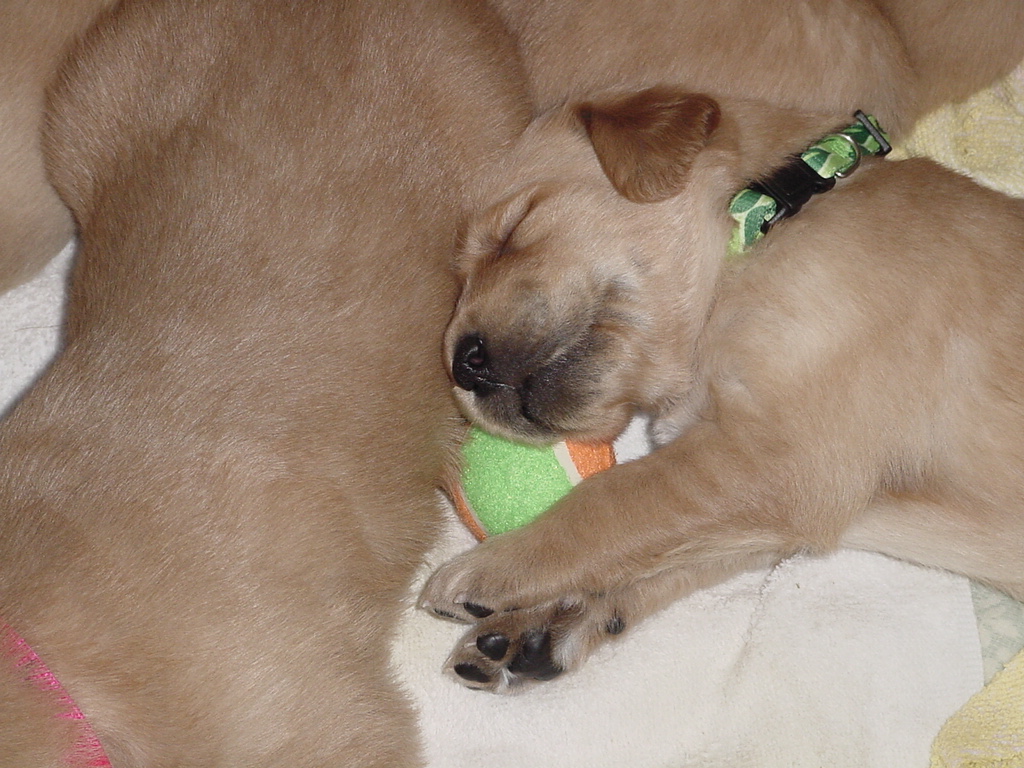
765,203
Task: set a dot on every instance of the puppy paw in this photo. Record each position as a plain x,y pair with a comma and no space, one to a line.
481,582
508,651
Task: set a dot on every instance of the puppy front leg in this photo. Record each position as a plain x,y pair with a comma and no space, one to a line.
701,505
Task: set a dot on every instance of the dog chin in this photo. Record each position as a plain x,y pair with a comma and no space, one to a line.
504,419
515,426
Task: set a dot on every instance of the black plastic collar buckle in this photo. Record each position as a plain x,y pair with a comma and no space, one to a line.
791,186
884,147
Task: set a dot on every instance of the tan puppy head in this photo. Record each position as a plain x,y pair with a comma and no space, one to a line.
584,287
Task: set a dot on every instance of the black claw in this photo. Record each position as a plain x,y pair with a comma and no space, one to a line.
472,672
615,626
534,657
477,611
494,646
444,614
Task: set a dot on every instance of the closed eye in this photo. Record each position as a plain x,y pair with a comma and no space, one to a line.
513,217
503,246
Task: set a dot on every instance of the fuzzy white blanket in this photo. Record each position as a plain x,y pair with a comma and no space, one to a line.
852,661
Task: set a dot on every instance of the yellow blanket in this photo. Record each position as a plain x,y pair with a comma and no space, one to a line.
982,137
989,731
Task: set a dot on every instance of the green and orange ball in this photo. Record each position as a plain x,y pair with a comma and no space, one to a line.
505,485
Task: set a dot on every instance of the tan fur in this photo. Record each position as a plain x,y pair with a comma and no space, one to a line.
214,500
34,223
856,379
894,58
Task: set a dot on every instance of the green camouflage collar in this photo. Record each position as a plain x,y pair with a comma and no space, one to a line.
763,204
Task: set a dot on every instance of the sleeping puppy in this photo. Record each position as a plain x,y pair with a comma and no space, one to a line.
212,503
896,59
853,379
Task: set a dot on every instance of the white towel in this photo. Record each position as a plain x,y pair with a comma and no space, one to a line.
849,661
30,317
852,661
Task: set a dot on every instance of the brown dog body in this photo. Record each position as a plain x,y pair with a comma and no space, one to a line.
214,500
855,380
895,59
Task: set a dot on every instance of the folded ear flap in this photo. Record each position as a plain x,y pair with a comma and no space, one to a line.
647,141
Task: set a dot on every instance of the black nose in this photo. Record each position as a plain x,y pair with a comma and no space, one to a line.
470,365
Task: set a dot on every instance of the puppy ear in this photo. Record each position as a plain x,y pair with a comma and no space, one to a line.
647,141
